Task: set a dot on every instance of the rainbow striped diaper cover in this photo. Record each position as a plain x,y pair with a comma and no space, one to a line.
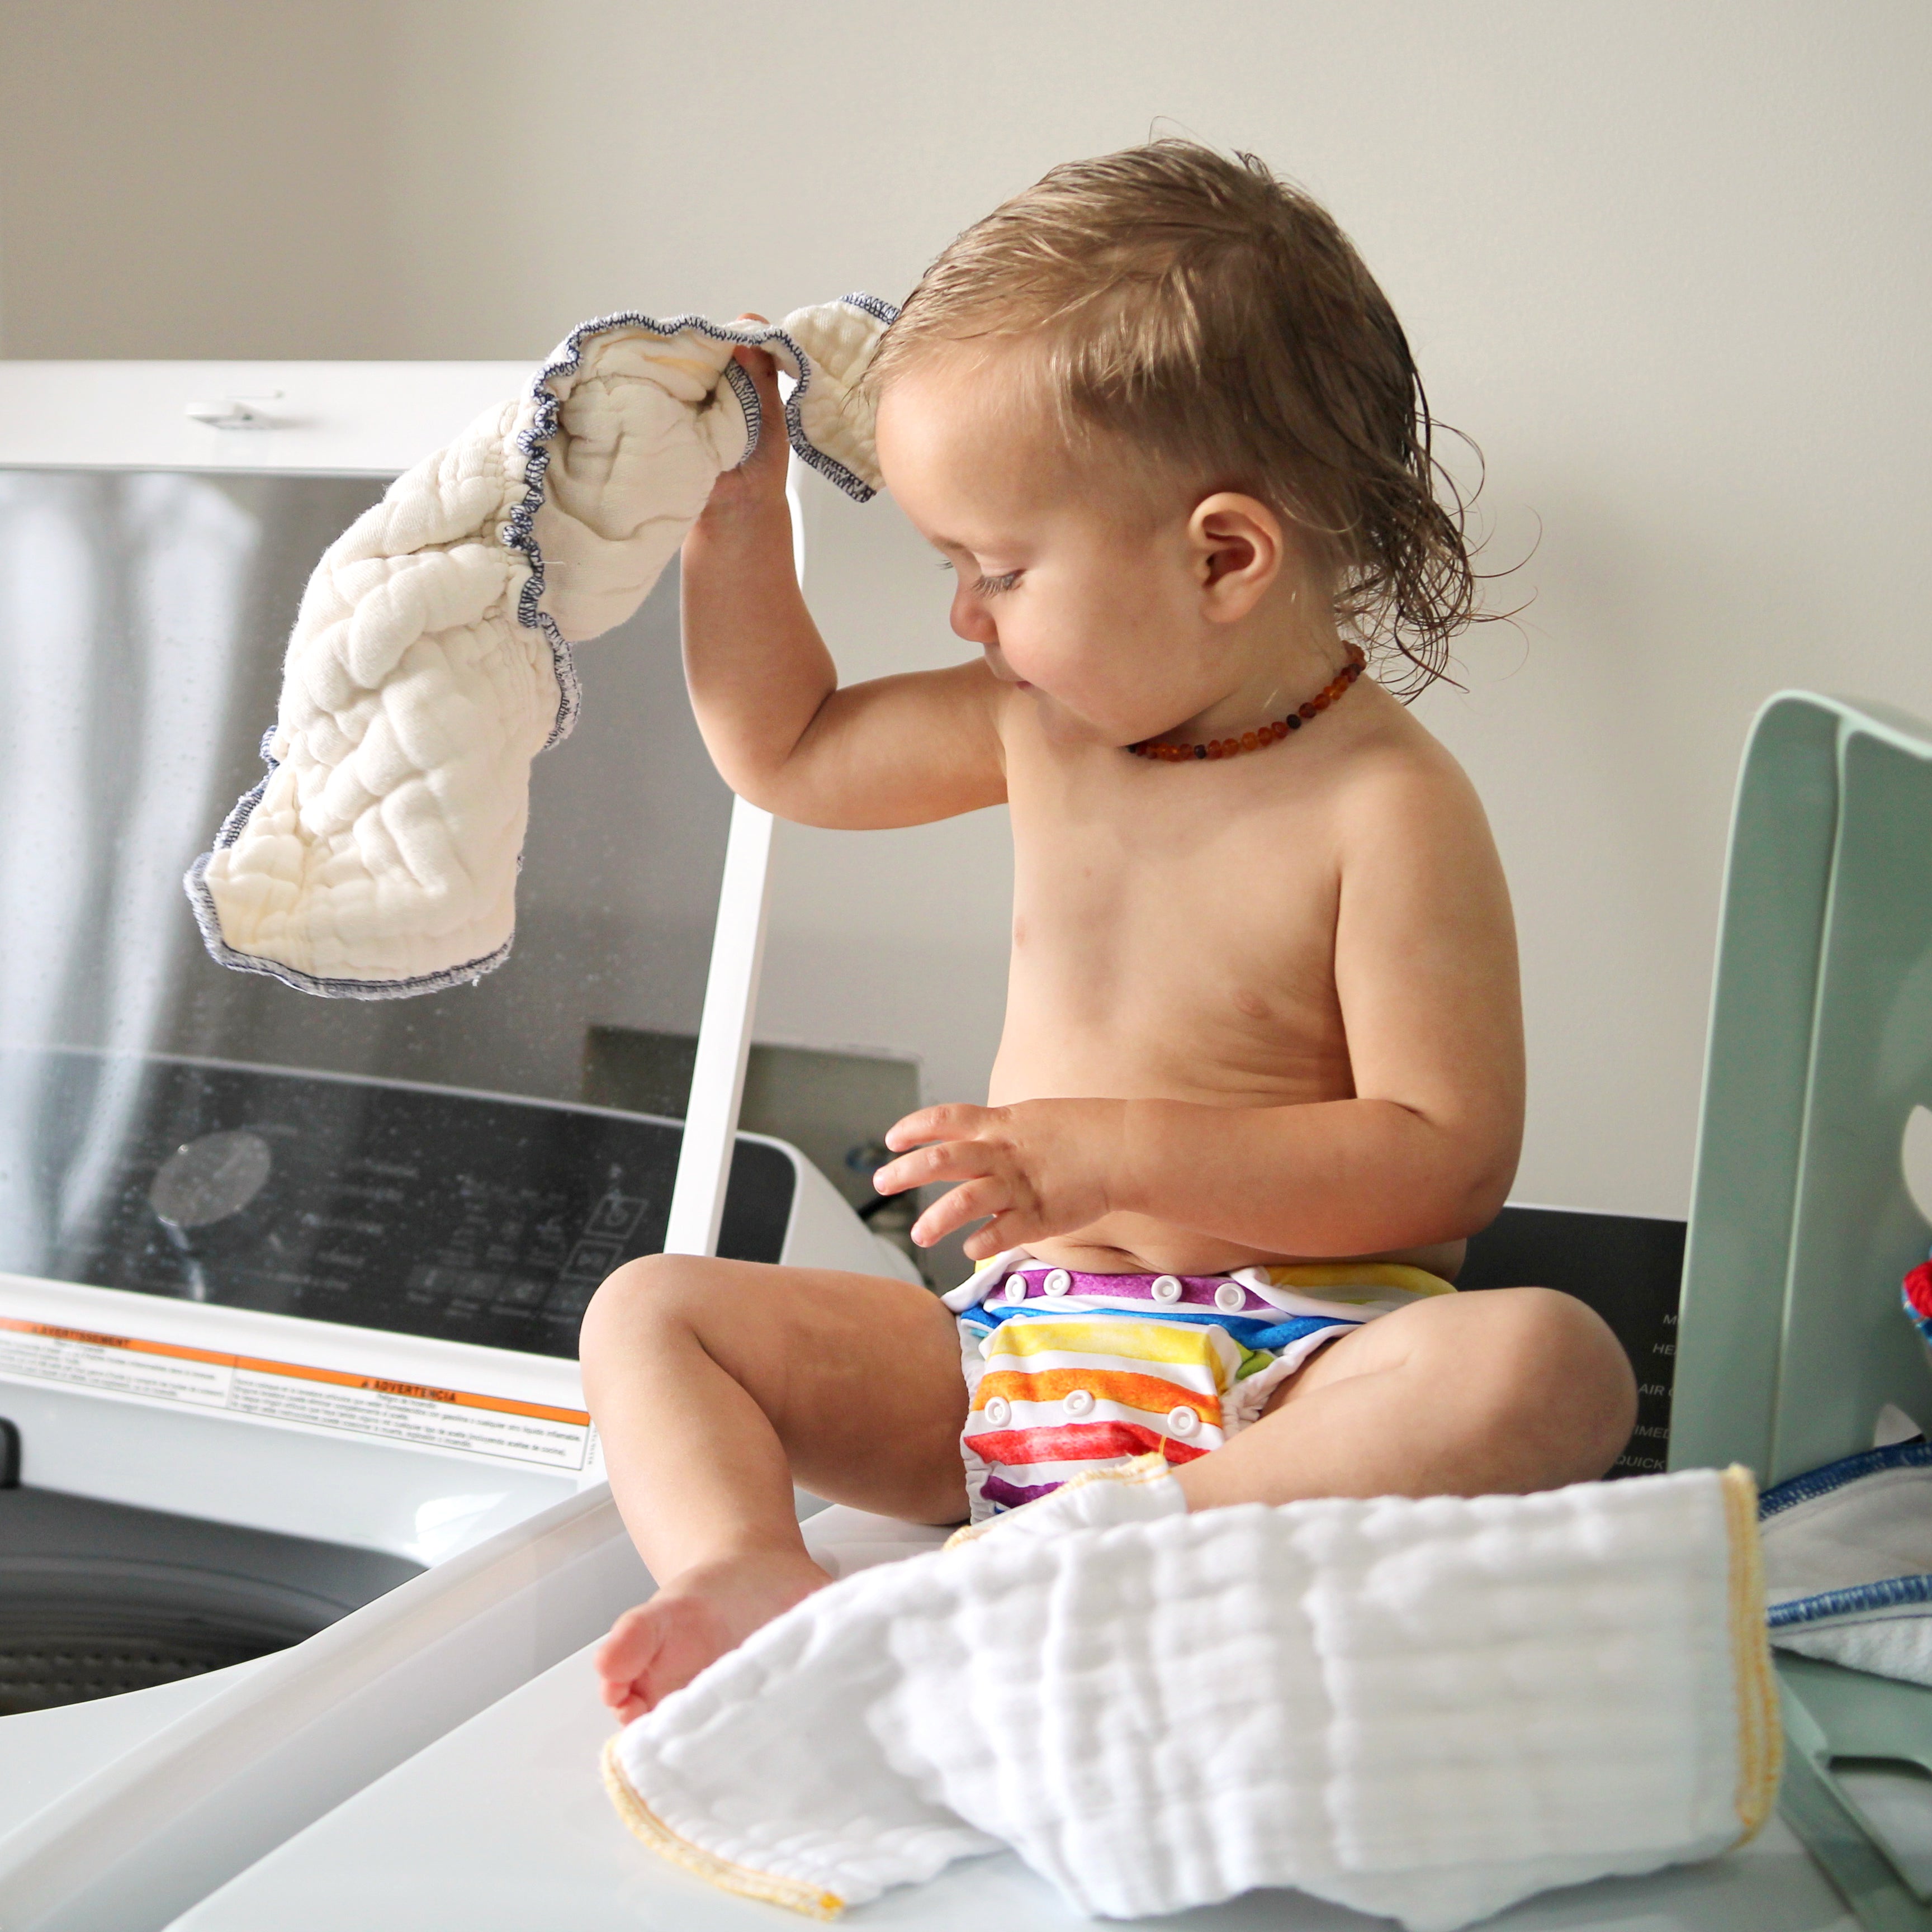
1068,1372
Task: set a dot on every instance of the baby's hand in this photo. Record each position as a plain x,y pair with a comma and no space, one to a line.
761,478
1040,1168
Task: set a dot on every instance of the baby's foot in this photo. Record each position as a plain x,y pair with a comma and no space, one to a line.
694,1619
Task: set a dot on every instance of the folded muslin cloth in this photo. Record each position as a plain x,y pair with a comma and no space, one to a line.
1427,1709
431,659
1848,1561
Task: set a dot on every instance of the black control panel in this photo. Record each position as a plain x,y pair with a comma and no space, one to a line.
423,1211
1628,1268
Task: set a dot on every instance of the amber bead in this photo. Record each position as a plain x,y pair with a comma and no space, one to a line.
1262,734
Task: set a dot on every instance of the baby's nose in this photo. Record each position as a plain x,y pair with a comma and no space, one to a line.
971,619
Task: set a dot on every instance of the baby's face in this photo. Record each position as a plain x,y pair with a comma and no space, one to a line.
1074,586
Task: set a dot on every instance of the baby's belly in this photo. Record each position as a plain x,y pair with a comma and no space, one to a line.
1150,1048
1136,1244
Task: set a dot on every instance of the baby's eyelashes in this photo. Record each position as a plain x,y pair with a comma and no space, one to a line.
988,586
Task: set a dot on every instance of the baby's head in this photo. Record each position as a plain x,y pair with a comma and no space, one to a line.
1158,397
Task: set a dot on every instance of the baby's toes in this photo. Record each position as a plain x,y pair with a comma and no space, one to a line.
624,1658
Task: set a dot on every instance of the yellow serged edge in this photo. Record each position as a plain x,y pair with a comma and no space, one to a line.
1148,1468
794,1894
1760,1732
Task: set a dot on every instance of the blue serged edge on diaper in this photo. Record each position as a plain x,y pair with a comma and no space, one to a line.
1894,1593
519,533
1832,1476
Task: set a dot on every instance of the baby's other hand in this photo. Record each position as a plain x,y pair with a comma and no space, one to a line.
1038,1168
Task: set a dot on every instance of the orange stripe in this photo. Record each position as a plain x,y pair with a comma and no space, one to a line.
1131,1391
298,1372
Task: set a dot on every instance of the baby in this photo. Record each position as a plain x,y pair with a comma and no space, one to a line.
1262,1066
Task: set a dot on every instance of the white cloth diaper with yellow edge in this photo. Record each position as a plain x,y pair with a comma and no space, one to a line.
431,660
1428,1709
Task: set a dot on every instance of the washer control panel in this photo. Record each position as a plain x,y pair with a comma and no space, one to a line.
423,1211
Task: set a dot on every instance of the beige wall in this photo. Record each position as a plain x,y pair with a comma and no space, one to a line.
199,178
1665,263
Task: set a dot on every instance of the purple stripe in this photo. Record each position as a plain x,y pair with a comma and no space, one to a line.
1197,1291
1003,1494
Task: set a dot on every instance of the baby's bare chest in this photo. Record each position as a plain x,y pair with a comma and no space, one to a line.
1173,939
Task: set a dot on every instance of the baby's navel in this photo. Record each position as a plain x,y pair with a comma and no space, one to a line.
1251,1004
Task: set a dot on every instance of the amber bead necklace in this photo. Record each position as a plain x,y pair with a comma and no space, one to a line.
1265,734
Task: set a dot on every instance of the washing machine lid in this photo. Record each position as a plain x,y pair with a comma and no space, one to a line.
225,1149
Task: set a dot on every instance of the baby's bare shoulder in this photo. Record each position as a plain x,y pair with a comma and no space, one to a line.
1400,796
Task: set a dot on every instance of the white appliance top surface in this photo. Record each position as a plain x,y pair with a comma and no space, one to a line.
312,418
503,1825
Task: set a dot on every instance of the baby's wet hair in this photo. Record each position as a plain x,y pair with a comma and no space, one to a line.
1216,318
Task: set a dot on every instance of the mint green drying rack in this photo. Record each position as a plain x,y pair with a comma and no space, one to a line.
1791,1338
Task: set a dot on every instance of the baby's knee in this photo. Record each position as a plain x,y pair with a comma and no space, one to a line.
1568,1389
644,1300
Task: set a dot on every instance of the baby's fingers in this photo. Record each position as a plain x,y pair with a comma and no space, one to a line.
953,1119
973,1201
927,1166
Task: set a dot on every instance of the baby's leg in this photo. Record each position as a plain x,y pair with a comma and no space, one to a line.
714,1384
1503,1389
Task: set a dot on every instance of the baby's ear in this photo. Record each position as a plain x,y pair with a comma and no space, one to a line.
1238,546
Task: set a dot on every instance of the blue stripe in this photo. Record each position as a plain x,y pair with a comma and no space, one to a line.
1250,1331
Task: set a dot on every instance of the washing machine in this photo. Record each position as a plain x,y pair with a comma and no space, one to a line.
289,1408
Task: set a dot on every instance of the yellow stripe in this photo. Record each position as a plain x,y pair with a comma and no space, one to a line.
1123,1335
666,1843
1760,1734
1325,1279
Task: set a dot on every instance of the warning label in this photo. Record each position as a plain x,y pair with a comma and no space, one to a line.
288,1392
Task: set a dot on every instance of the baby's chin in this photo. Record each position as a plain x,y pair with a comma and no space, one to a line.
1061,725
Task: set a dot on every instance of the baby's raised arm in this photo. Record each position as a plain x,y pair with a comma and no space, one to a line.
896,751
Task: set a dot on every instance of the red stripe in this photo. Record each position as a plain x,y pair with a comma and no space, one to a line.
1076,1442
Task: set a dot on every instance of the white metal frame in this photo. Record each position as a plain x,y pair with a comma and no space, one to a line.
724,1036
731,1003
